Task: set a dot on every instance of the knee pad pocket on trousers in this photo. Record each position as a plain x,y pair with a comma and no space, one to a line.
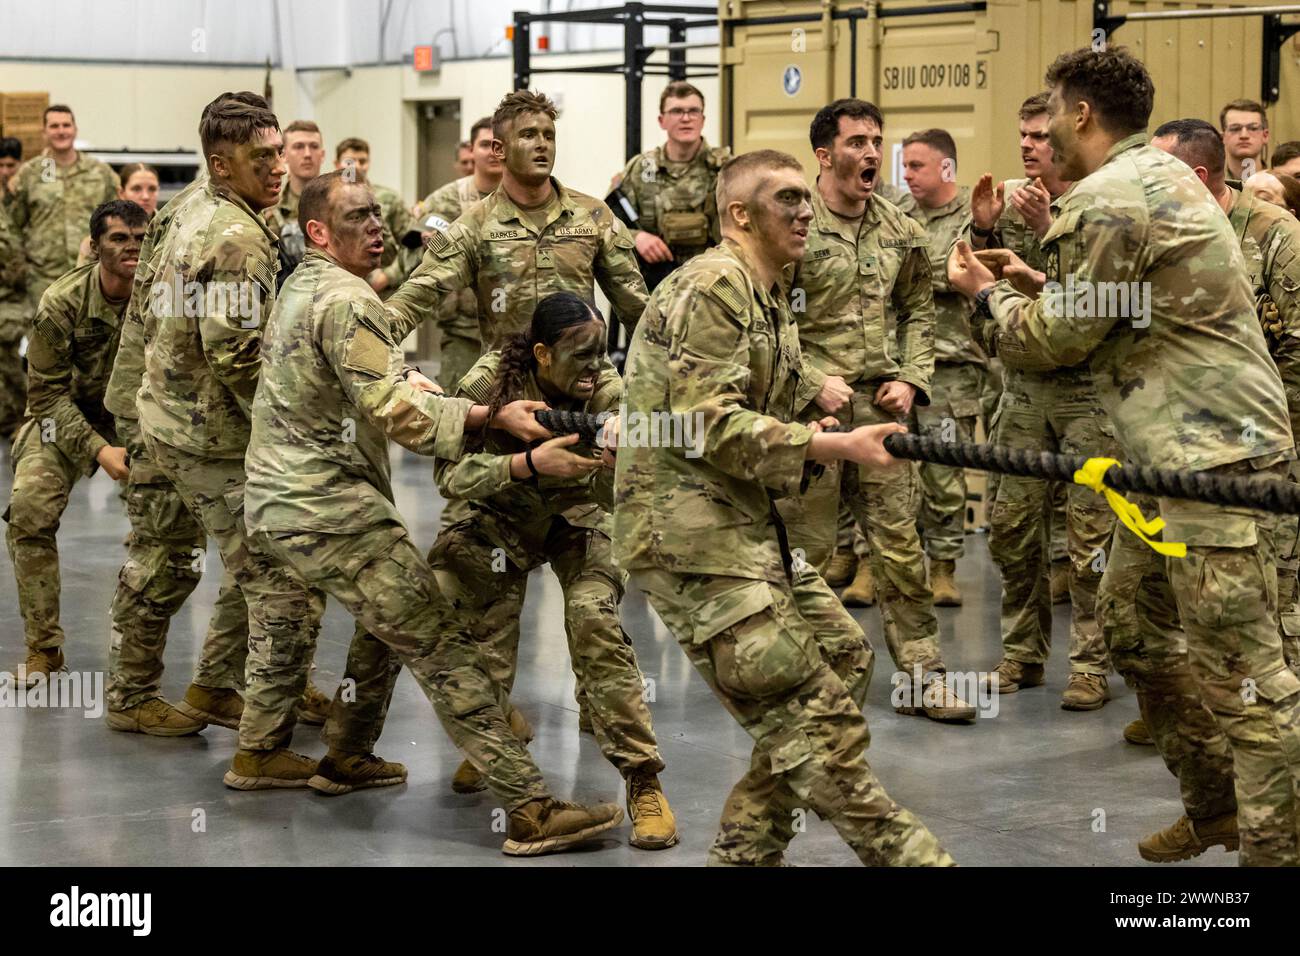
398,583
467,690
788,750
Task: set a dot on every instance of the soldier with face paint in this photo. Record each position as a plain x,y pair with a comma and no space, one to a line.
550,505
320,497
67,432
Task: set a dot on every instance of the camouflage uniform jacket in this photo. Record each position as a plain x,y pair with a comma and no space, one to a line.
1270,241
51,205
953,341
516,515
13,268
214,287
840,291
1184,384
128,368
722,354
439,210
676,201
494,250
331,395
68,364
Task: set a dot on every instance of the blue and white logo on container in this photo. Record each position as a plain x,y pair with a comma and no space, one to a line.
791,80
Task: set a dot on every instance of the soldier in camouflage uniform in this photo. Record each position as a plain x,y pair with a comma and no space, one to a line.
1220,700
13,325
960,365
399,228
457,318
67,432
165,553
1052,411
863,254
550,506
669,190
50,201
530,238
698,530
319,495
215,282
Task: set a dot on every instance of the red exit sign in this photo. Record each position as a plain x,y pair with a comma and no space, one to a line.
423,59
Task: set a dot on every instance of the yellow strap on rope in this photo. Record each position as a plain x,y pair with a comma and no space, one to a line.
1090,476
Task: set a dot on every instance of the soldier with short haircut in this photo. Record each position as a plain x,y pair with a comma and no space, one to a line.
1056,411
457,318
304,153
670,189
1244,127
719,346
320,497
1286,159
960,365
1178,372
67,432
50,201
399,259
862,256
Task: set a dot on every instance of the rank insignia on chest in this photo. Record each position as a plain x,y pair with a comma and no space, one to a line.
545,259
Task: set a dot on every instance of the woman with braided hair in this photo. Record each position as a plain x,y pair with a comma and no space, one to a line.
550,504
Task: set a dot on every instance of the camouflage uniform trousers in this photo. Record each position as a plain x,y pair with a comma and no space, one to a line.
164,557
1288,586
485,597
884,504
1058,414
43,479
13,378
384,583
284,614
1219,702
773,654
955,405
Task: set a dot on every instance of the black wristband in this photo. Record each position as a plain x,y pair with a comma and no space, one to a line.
528,460
982,233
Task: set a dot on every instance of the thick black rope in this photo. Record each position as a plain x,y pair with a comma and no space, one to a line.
1276,497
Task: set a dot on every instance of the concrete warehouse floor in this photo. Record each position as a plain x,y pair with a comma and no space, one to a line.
1024,787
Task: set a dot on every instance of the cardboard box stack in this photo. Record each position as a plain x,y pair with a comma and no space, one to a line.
22,116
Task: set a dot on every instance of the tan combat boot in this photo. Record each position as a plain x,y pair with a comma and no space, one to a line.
547,825
340,772
314,707
862,592
1136,733
653,824
39,665
938,702
213,705
842,569
1060,582
1188,838
1012,676
269,770
154,717
943,585
468,780
1085,692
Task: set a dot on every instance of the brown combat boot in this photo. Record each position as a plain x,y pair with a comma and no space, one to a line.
39,665
154,717
314,707
653,824
1060,581
943,585
1136,733
842,569
269,770
862,592
938,702
213,705
1012,676
340,772
1188,838
547,825
468,780
1085,692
